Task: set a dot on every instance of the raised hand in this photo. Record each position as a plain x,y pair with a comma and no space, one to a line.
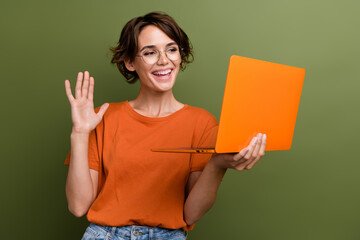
83,115
246,158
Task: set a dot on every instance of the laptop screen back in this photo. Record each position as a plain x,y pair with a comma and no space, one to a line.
259,97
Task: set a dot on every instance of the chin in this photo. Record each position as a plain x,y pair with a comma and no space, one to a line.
163,87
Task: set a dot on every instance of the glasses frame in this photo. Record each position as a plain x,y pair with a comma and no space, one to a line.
160,52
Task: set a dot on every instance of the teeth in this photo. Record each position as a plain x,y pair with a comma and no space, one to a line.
162,72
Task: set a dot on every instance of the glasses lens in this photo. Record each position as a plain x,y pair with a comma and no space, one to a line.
173,53
151,56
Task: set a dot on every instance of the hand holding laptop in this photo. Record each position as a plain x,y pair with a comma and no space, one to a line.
245,159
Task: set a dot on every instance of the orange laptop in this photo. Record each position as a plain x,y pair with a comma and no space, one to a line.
259,97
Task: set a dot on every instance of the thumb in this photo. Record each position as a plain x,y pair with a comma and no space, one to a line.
241,154
102,110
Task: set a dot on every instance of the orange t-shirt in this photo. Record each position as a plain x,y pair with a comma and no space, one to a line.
138,186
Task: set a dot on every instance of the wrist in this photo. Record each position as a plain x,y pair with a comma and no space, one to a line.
76,133
215,163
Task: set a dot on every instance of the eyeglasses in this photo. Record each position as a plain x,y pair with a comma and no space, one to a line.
152,55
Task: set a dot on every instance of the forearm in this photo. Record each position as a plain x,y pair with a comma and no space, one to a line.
79,186
203,195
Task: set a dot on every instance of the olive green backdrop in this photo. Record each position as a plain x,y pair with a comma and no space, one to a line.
309,192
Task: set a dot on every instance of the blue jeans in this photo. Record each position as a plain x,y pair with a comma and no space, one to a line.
97,232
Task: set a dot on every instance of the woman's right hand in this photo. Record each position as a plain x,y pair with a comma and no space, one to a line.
83,115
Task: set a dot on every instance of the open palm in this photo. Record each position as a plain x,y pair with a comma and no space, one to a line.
83,116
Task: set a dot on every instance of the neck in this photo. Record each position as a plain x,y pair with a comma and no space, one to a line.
155,104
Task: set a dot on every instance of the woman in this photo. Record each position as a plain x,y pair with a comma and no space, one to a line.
125,189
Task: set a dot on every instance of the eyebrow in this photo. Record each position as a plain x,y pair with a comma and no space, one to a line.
153,46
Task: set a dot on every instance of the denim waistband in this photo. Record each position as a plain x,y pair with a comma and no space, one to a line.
134,232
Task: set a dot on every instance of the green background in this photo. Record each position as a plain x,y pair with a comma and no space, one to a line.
309,192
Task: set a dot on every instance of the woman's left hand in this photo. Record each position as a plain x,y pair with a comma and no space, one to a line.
246,158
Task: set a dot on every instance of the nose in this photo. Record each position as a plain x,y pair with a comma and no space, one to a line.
163,59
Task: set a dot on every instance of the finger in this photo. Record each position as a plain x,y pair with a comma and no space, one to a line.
258,145
255,153
248,155
263,144
261,152
241,162
78,85
240,167
239,158
85,86
251,148
68,91
102,110
241,154
91,89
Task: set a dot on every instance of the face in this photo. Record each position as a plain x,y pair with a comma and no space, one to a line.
161,75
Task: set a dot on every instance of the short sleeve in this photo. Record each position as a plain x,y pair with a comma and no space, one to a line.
95,147
204,137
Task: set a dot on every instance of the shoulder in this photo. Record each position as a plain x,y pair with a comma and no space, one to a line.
205,128
111,116
113,108
200,112
202,116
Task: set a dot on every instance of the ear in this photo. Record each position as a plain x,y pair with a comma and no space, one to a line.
129,65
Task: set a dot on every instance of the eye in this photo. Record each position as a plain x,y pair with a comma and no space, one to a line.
172,50
149,53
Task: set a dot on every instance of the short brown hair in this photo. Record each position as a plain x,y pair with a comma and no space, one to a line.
127,46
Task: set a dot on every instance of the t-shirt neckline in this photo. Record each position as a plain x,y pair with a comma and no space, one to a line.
154,119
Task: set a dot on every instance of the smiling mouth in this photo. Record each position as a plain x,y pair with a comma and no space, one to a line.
162,73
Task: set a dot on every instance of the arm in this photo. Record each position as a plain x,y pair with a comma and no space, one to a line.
203,194
203,190
81,182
